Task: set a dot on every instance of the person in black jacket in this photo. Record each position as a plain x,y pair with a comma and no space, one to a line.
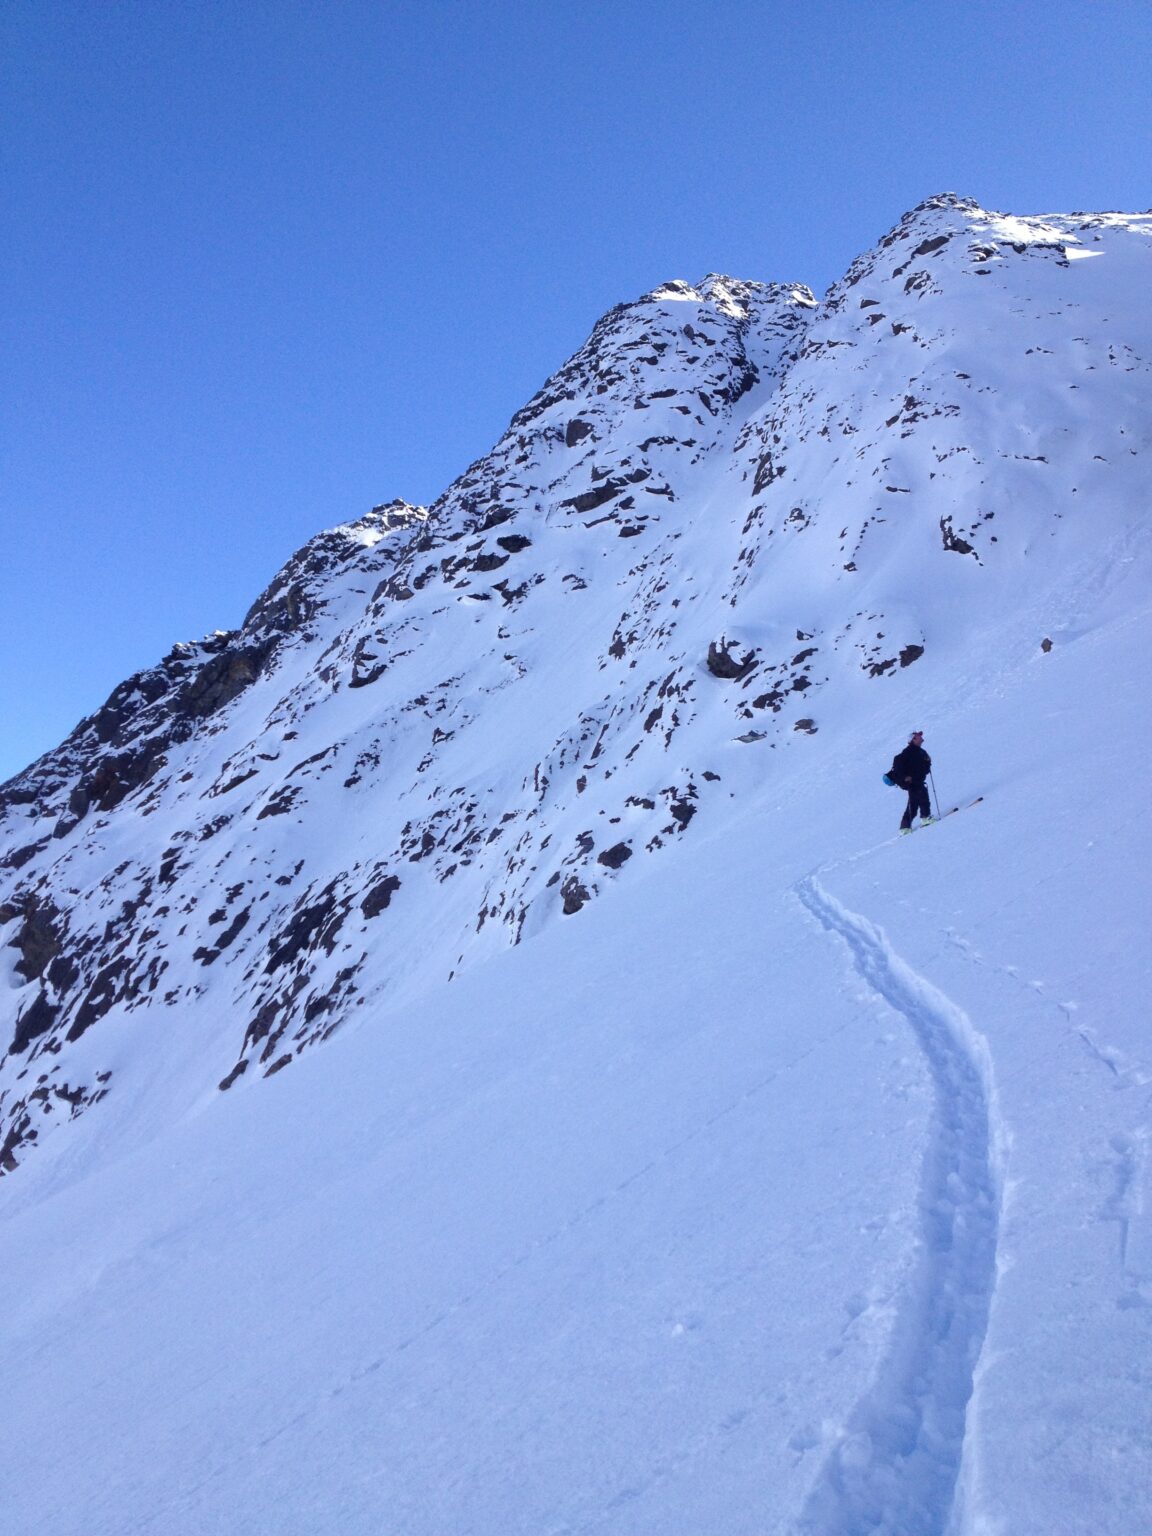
910,770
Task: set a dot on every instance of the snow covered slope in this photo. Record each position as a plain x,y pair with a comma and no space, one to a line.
758,1170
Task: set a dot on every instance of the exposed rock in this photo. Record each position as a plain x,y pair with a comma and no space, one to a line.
40,935
237,1071
36,1019
222,679
615,857
723,663
588,501
379,896
952,540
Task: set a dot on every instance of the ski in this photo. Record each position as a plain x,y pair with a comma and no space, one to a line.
967,806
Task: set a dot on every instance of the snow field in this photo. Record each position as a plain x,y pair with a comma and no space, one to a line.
697,1232
799,1182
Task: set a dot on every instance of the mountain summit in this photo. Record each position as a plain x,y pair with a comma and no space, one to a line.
540,787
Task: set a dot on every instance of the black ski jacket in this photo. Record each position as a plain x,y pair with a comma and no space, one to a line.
910,766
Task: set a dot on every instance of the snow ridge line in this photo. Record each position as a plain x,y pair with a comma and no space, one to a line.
896,1469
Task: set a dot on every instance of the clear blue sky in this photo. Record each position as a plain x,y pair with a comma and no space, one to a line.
266,263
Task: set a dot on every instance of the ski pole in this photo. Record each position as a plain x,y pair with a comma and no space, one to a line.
935,796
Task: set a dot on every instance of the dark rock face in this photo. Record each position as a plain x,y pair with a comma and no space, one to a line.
723,663
952,540
40,933
222,678
37,1019
615,857
379,896
588,501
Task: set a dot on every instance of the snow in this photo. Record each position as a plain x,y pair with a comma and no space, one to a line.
798,1183
661,1245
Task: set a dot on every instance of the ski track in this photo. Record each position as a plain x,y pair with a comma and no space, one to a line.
896,1467
1123,1070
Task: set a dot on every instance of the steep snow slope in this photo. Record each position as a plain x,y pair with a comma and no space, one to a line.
704,1213
730,513
407,721
777,1181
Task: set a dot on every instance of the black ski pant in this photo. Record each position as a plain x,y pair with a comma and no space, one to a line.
918,803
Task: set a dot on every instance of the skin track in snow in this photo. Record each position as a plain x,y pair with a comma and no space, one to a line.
896,1468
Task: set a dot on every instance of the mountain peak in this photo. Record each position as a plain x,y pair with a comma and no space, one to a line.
691,1141
708,527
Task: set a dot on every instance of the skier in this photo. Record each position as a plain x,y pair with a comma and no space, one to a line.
910,769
